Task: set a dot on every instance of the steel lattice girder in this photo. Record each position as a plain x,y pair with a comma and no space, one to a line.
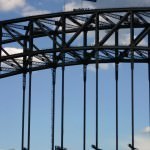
65,31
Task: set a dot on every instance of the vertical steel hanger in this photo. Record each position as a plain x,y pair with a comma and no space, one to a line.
132,78
84,82
61,147
96,101
63,78
53,106
132,84
84,107
117,122
23,109
62,108
116,78
23,96
30,82
53,96
97,67
132,100
96,146
149,89
29,108
149,75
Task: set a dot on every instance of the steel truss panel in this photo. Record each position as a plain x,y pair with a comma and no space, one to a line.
53,27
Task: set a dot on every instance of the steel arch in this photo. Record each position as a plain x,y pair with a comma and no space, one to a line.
65,30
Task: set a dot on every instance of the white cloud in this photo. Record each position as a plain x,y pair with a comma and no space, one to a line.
120,3
12,50
104,66
8,5
24,8
125,39
72,5
146,130
107,4
30,11
142,142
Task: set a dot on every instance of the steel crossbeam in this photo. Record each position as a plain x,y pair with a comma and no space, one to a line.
50,26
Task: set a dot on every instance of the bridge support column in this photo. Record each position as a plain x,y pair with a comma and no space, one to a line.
132,75
97,68
149,75
116,78
30,81
53,98
84,95
63,78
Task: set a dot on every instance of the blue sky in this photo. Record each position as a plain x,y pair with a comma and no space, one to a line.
11,93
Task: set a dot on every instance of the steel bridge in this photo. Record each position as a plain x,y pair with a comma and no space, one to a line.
69,43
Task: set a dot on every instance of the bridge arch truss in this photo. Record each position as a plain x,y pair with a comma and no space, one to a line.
78,37
69,33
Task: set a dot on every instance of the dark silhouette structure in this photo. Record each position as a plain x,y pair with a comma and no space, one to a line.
64,31
130,146
59,148
94,147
